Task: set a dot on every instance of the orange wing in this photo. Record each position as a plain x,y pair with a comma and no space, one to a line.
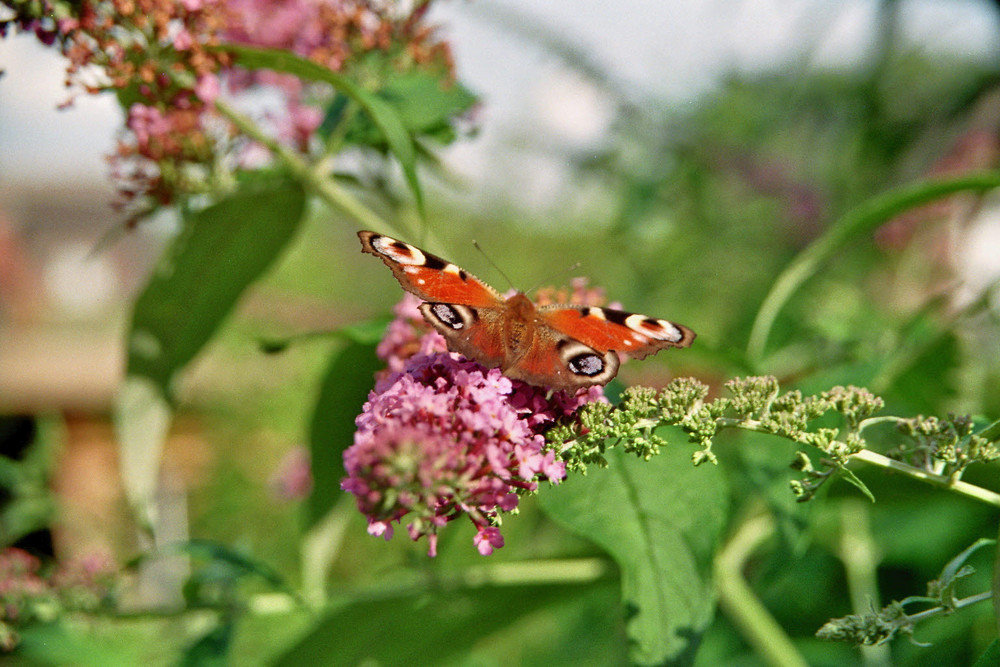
428,276
556,361
608,329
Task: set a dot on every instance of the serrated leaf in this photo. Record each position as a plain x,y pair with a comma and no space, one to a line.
349,376
384,116
661,521
221,250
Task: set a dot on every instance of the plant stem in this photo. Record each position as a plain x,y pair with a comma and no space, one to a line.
860,555
940,611
859,221
739,602
870,457
561,571
324,187
941,481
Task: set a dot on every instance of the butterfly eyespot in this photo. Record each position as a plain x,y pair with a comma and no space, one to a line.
449,316
588,364
563,347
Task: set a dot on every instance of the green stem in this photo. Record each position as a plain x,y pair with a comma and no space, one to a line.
941,481
858,221
323,187
860,555
941,611
561,571
741,604
870,457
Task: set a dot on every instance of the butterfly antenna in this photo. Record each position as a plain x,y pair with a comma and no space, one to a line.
494,265
568,269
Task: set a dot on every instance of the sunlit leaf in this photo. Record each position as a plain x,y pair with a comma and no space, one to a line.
142,417
426,105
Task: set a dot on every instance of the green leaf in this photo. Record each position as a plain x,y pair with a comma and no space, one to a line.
212,649
239,564
857,223
955,569
221,250
930,381
991,658
848,476
661,521
418,628
366,332
384,116
991,432
425,103
65,643
348,379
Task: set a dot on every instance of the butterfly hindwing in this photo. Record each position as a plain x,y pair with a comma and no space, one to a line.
428,276
469,331
610,329
558,346
557,361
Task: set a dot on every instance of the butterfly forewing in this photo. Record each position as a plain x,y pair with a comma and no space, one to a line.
561,347
609,329
428,276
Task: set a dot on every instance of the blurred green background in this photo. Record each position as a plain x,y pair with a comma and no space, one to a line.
685,206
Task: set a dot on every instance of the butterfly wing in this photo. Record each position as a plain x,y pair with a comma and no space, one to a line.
554,346
428,276
608,329
557,361
465,310
473,332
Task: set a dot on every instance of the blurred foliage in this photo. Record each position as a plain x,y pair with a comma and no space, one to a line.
692,213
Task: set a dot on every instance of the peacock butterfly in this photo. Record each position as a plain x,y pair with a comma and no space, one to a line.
557,346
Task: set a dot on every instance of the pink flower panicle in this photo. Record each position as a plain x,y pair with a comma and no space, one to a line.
27,595
161,58
442,437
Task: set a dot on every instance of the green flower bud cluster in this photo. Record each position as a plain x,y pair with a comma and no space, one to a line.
940,446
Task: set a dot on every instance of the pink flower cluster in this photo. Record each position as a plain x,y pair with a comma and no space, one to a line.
163,59
442,437
27,596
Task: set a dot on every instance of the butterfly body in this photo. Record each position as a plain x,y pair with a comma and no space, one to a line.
557,346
